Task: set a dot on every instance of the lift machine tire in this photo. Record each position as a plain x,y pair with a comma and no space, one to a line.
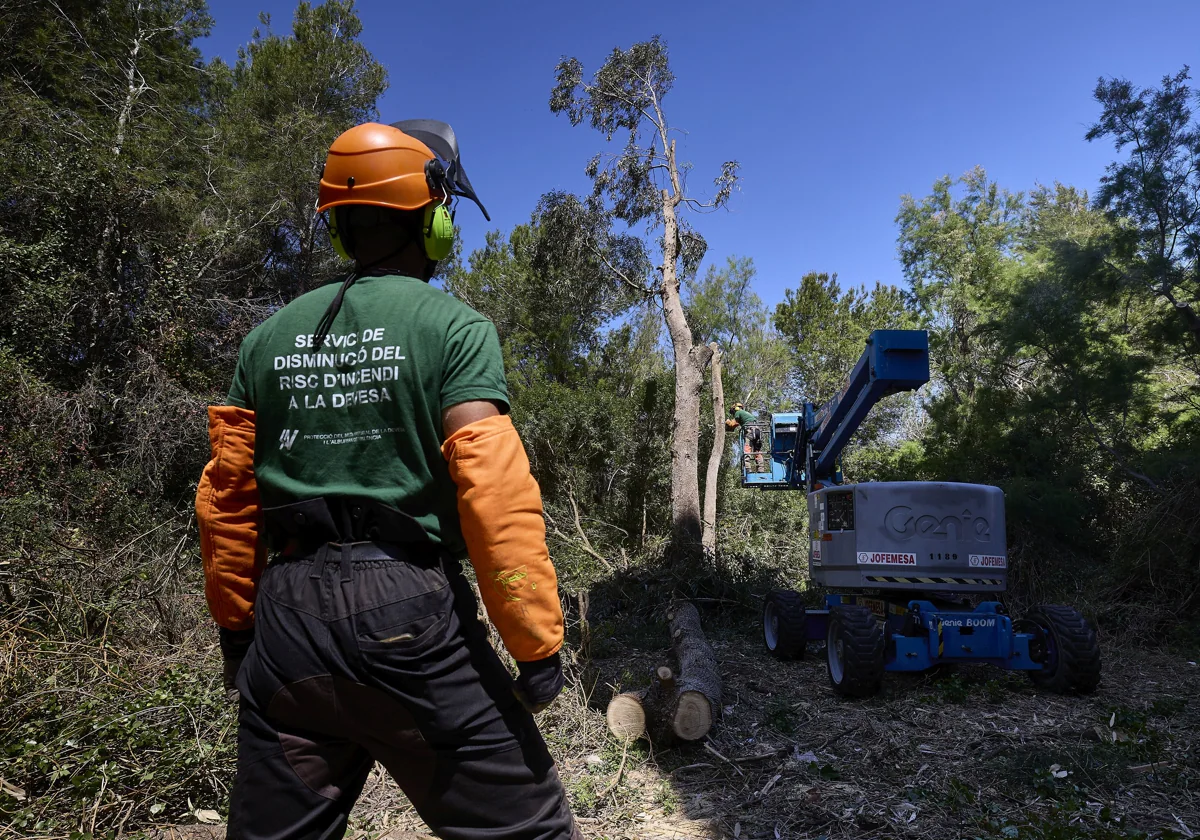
854,649
1069,649
785,625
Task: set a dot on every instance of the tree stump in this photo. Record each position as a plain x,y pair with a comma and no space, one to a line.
672,708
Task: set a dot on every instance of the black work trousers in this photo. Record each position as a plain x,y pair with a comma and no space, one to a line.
369,653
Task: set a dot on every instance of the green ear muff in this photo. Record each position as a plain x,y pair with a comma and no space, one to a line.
335,238
438,229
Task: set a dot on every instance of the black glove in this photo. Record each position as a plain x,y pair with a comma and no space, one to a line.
234,645
539,682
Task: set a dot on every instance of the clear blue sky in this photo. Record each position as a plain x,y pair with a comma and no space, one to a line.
833,109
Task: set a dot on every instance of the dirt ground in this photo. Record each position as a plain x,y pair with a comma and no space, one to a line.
972,752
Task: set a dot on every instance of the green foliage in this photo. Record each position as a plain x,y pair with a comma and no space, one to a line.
954,249
758,549
278,109
149,206
89,221
954,685
625,95
666,798
1134,735
81,756
548,287
722,307
953,689
583,793
1156,191
1167,707
781,715
1055,379
590,389
603,457
826,328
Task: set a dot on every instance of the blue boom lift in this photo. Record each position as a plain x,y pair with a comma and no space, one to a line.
898,559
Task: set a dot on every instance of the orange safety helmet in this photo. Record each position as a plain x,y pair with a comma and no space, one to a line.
397,166
378,165
393,166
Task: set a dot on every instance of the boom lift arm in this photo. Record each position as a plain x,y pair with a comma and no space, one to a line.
805,445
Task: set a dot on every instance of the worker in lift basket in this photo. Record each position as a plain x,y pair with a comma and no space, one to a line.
751,439
369,474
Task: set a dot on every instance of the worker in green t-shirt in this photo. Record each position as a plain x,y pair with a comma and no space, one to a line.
740,416
366,448
751,438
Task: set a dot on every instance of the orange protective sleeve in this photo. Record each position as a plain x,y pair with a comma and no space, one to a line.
230,517
500,508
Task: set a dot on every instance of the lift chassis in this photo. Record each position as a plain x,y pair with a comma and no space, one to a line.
911,568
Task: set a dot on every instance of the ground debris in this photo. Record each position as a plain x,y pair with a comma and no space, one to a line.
973,753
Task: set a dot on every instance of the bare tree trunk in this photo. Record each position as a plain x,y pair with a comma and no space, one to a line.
132,92
709,538
690,360
685,455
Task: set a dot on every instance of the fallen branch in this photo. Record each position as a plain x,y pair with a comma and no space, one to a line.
708,746
616,779
584,544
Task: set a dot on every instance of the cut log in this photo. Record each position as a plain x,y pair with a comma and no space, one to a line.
629,713
626,717
699,691
673,708
693,716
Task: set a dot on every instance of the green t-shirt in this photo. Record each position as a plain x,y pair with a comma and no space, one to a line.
363,416
744,417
